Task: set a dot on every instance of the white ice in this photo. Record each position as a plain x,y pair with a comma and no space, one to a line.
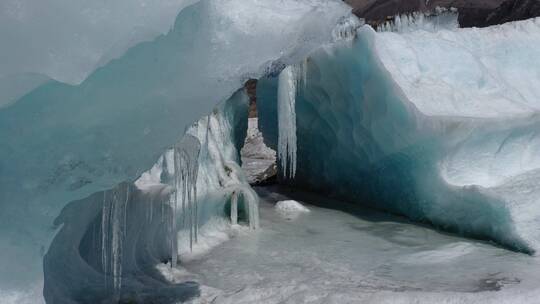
290,208
362,256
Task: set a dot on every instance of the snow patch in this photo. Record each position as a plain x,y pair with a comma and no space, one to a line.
290,208
212,234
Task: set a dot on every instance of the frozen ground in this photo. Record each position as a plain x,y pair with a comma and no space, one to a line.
331,256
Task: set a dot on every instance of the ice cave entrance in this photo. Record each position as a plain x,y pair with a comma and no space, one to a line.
258,160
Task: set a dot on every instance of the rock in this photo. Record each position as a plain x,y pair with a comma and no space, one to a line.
258,160
472,13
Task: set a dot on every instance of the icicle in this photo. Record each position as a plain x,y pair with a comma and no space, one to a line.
186,168
428,21
105,224
346,28
113,229
234,208
289,80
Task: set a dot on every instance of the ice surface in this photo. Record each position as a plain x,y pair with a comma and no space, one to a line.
358,256
436,123
66,41
64,142
13,87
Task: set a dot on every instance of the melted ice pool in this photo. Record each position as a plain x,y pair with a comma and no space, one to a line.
331,256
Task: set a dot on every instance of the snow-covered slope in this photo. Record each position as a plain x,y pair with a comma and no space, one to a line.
436,123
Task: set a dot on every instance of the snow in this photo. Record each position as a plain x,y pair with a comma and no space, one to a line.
290,208
495,77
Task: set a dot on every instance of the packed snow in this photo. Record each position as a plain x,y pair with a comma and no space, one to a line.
290,207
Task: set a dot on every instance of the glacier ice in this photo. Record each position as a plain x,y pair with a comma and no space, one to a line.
433,122
70,39
63,142
186,169
118,236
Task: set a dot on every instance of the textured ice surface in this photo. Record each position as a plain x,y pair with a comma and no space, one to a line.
439,124
358,256
64,142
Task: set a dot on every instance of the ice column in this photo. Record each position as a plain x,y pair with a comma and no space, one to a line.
234,208
113,232
186,167
288,83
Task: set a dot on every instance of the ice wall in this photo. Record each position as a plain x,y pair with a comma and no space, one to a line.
438,124
64,142
110,242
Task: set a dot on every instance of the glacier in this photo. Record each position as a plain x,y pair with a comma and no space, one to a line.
425,120
63,142
110,243
117,167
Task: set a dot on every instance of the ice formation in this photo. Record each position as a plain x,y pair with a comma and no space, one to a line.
64,142
288,82
113,232
121,234
71,39
186,169
426,120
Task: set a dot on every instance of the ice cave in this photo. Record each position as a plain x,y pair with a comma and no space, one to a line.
269,151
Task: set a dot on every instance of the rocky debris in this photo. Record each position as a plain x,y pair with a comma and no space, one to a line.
472,13
512,10
258,160
251,90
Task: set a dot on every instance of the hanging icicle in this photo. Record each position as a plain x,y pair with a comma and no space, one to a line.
113,232
288,84
186,168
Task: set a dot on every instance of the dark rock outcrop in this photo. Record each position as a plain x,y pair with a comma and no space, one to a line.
472,13
512,10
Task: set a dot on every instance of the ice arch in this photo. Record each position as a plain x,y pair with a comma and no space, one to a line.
433,122
61,143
